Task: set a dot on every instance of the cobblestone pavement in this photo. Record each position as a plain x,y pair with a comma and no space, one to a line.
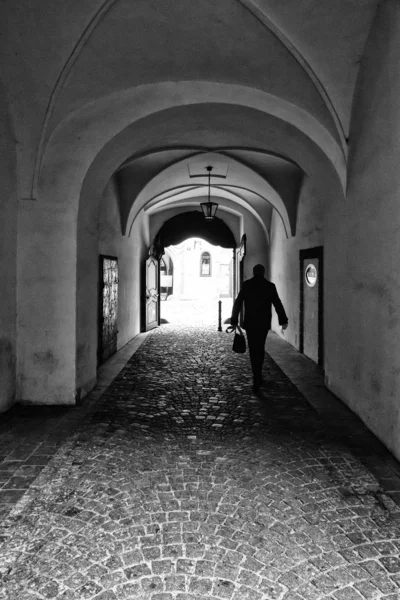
182,485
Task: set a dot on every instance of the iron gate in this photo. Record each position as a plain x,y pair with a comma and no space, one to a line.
108,326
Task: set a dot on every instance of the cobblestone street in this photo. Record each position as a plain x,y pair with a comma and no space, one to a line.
180,484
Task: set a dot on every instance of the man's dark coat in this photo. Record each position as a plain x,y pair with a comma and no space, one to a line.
258,295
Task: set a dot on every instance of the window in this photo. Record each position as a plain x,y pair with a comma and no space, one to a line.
311,275
205,264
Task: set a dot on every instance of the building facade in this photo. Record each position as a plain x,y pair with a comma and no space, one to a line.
196,269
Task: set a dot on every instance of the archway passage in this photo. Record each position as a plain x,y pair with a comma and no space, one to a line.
202,284
191,282
193,224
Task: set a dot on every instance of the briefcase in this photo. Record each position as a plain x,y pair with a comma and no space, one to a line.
239,341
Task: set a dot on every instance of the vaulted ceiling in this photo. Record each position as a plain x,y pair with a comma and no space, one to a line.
149,89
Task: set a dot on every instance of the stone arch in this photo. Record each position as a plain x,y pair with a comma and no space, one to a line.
192,224
229,202
257,185
80,138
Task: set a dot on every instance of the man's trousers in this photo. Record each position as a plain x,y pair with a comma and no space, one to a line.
256,339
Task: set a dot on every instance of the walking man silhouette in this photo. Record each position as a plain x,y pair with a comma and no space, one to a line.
258,295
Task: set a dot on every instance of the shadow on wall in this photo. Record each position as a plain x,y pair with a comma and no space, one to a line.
7,374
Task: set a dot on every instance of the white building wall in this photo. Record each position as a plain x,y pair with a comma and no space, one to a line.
189,284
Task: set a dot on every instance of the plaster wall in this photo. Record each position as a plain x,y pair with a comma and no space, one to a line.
36,43
46,303
284,259
100,233
8,251
363,366
131,251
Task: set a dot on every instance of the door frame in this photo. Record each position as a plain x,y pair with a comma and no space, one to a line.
307,254
241,256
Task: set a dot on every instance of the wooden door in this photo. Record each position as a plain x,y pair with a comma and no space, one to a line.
152,300
311,308
241,280
108,322
241,257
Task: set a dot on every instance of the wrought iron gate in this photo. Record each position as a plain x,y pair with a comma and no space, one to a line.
108,323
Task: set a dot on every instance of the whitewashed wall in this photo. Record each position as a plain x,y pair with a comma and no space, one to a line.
361,239
105,237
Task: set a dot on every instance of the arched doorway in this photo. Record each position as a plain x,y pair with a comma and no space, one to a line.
199,262
193,225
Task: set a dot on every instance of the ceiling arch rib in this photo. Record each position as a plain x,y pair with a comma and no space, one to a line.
327,38
225,204
80,44
176,179
177,153
284,175
332,52
186,191
257,10
173,194
205,40
228,202
112,127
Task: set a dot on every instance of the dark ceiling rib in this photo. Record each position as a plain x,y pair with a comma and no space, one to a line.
194,151
226,152
80,44
269,24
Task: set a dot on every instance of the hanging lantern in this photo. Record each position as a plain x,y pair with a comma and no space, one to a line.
209,208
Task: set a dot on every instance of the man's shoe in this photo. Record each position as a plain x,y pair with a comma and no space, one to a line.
256,384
